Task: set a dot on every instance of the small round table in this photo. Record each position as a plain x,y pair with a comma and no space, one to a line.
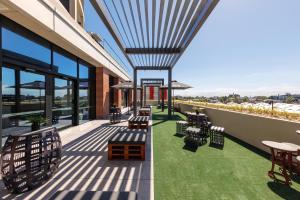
281,154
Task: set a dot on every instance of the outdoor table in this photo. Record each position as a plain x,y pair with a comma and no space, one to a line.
127,144
144,112
293,164
298,132
281,154
138,122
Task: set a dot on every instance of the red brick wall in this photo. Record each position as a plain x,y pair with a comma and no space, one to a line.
102,92
130,97
118,94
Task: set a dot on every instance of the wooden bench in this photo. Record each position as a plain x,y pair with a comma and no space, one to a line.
128,144
138,122
217,136
145,112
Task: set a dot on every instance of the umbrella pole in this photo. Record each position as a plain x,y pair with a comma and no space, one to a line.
173,101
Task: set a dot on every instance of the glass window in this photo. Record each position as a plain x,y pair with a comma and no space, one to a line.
83,71
64,64
8,91
22,45
62,115
23,101
84,107
83,102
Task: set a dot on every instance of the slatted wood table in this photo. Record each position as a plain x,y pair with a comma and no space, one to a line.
145,111
281,155
128,144
138,122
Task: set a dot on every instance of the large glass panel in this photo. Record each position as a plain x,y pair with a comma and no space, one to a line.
64,64
83,102
20,44
84,107
83,71
23,101
63,103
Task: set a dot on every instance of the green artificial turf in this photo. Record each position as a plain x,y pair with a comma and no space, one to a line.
236,172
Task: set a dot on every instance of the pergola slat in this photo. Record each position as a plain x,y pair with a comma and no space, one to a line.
154,33
152,50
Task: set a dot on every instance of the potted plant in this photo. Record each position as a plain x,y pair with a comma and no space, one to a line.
36,121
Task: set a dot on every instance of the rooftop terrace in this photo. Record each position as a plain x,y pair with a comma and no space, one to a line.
238,171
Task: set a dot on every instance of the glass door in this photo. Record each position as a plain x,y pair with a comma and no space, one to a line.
23,97
63,103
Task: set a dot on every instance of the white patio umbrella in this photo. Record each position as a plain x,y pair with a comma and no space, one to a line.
127,85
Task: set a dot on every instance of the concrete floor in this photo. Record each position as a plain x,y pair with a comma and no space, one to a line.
85,166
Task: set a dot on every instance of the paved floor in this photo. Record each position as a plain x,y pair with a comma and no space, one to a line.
85,166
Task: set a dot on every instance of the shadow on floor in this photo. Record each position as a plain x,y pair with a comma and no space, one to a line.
84,166
191,148
284,191
248,146
162,118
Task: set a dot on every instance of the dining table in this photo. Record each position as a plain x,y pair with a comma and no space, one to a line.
281,155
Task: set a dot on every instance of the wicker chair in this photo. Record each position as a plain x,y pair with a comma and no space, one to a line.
30,159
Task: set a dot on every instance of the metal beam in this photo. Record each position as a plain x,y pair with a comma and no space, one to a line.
152,68
134,92
170,93
152,50
100,11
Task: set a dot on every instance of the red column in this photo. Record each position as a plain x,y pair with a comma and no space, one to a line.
102,92
151,93
118,93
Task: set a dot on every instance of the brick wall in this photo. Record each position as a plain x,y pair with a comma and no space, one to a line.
118,93
102,92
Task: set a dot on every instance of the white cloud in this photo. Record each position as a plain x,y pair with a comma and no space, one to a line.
265,90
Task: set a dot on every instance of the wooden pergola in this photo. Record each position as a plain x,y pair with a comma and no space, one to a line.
153,34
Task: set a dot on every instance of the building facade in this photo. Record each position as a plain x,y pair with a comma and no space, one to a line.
52,68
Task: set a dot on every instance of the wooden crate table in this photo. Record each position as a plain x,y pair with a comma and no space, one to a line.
138,122
128,144
145,111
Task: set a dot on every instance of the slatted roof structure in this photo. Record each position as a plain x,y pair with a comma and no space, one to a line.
153,34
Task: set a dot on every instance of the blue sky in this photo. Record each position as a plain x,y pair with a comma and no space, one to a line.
249,47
